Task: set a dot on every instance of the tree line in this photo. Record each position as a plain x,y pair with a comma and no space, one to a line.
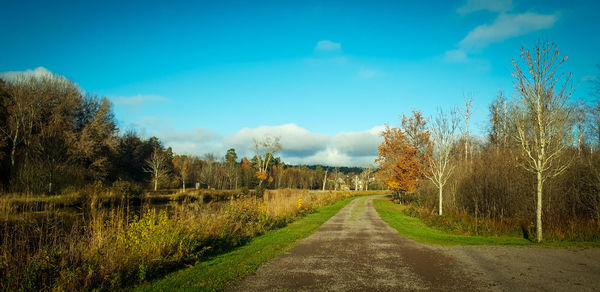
540,157
54,137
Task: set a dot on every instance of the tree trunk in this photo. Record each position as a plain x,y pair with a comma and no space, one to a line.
539,206
183,183
155,184
440,208
12,154
325,180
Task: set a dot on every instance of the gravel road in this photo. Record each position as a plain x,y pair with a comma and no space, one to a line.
356,251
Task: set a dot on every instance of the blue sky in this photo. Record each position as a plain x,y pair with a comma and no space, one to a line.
323,75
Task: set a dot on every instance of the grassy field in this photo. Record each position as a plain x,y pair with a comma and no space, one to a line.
106,240
414,228
225,269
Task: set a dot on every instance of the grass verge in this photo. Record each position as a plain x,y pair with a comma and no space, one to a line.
414,228
216,273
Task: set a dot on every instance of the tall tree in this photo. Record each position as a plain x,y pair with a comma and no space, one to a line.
157,166
95,142
232,173
403,154
441,162
466,114
265,151
499,118
542,115
182,167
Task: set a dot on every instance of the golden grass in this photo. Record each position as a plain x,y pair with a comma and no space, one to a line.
111,247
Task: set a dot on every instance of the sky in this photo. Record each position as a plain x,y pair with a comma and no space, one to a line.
324,76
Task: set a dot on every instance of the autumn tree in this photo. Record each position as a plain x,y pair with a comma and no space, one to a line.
182,168
542,115
403,154
95,142
265,151
441,163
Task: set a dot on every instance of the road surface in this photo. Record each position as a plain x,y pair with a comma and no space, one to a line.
357,251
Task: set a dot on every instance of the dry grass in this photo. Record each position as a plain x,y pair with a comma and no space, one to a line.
45,247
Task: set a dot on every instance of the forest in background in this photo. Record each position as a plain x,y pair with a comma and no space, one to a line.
54,138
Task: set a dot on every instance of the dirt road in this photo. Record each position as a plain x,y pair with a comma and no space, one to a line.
356,251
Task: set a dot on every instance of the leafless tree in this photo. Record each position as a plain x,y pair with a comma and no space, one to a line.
156,165
441,162
500,122
466,114
208,170
595,122
366,174
542,115
182,166
580,120
325,179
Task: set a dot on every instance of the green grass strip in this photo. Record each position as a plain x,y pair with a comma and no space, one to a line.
215,274
415,229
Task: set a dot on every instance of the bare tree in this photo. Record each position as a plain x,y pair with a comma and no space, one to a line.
366,174
466,114
156,165
265,151
336,172
580,120
542,116
182,166
441,163
499,118
325,179
595,123
208,170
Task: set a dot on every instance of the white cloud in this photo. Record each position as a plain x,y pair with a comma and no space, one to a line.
299,145
295,141
327,45
137,100
507,26
37,72
358,143
485,5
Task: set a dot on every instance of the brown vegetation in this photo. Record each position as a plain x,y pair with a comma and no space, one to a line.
541,154
111,243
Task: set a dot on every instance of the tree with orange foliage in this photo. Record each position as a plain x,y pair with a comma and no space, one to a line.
404,153
265,152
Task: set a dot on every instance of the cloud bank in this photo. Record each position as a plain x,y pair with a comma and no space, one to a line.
37,72
299,145
507,26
